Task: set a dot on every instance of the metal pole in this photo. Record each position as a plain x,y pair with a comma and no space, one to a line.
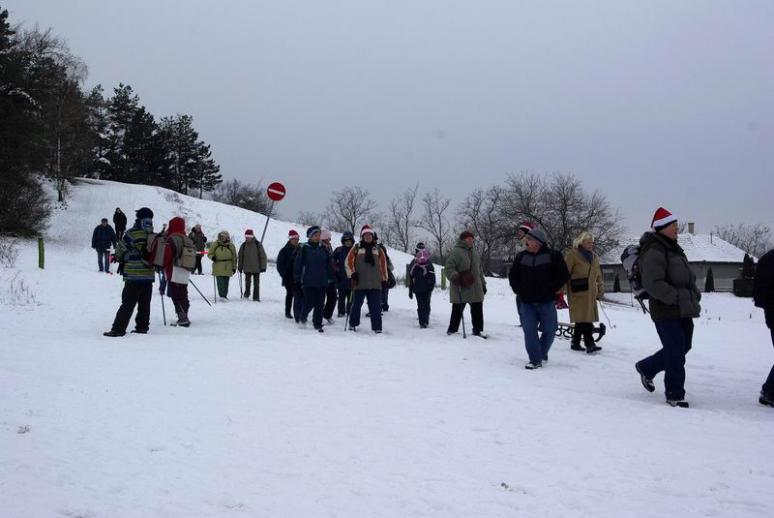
163,310
241,294
605,313
41,254
268,216
214,289
464,334
200,293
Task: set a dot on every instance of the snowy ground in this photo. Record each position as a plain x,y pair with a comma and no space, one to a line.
244,414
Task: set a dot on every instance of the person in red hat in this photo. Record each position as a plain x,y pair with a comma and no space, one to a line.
252,261
285,261
674,303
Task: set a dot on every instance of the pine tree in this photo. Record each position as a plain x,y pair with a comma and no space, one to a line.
207,175
121,110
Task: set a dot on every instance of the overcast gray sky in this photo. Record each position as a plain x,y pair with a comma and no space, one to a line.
652,102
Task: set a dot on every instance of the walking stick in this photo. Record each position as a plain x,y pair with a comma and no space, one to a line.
241,293
606,316
462,316
349,310
199,291
163,310
214,289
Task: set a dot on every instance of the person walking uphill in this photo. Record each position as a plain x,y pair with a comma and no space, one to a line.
200,242
134,260
119,222
585,288
285,263
223,255
537,275
102,239
252,261
366,266
674,303
313,271
179,262
763,295
468,286
343,283
421,285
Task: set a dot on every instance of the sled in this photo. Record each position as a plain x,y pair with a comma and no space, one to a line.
565,331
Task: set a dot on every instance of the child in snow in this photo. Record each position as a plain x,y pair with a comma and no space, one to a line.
421,284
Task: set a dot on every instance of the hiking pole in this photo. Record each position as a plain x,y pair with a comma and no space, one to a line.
605,313
191,282
349,310
163,285
462,314
241,293
214,290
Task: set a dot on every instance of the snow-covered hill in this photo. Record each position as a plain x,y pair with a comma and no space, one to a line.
245,414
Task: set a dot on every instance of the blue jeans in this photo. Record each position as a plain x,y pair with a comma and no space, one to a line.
103,256
374,306
676,336
536,314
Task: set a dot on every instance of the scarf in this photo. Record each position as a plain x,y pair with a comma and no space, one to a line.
369,252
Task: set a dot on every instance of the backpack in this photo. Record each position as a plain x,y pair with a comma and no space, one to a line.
159,241
630,259
186,257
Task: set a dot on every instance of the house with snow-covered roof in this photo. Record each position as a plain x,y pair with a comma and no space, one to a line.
705,252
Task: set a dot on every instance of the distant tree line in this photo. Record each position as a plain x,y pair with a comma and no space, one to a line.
51,128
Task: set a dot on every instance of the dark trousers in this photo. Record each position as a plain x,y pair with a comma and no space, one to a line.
198,267
476,313
298,304
583,330
331,297
345,301
374,298
768,387
385,299
314,299
254,279
179,295
289,292
423,308
222,285
676,336
135,294
120,233
103,260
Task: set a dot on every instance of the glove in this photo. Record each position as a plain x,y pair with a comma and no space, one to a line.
355,277
484,290
162,286
411,294
263,271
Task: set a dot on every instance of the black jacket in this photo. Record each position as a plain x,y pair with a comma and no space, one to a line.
668,278
285,261
103,237
763,289
119,220
536,278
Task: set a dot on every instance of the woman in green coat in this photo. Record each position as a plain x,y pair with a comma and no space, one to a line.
584,289
223,255
468,286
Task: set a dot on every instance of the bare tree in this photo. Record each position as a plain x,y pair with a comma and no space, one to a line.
435,222
480,213
246,196
349,208
559,205
399,221
755,239
309,218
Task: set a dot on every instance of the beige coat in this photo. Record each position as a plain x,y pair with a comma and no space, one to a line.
583,305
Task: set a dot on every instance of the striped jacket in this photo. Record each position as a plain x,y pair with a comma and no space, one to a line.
137,267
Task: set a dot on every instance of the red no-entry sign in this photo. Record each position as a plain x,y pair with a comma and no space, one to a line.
275,191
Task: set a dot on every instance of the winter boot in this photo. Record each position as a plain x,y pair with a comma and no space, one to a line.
576,339
532,366
678,403
113,334
182,319
140,331
592,348
766,399
646,381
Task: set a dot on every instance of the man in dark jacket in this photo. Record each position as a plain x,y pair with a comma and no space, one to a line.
343,283
285,262
313,270
537,274
119,221
200,243
674,303
102,239
252,261
763,294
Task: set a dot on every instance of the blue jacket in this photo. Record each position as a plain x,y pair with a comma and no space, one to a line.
103,237
313,267
285,263
339,268
422,279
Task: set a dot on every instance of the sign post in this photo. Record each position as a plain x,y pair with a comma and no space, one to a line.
275,192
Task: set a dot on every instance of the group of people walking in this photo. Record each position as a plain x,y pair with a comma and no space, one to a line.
321,280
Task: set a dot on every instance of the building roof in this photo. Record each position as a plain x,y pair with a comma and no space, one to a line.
699,248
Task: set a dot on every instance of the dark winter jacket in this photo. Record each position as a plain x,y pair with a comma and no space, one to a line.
119,220
536,278
199,240
340,267
103,237
252,257
763,288
312,266
668,278
421,278
286,262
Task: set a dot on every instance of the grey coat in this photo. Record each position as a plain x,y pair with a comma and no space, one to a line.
252,257
465,258
668,278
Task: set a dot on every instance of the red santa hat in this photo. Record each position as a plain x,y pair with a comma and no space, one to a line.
526,226
249,232
292,234
662,218
366,230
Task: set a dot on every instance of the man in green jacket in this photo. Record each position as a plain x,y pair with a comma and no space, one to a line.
468,285
252,261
